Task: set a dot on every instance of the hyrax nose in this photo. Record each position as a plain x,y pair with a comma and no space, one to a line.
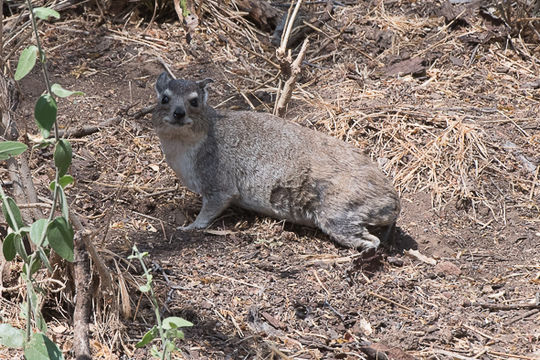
179,113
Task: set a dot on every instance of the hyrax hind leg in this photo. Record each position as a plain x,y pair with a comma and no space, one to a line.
352,236
347,223
348,230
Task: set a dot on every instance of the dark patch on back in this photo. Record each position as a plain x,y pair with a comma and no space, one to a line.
353,205
299,196
279,195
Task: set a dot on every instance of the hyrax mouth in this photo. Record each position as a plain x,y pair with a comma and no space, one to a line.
180,122
184,121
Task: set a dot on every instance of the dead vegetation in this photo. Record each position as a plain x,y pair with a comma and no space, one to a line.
444,95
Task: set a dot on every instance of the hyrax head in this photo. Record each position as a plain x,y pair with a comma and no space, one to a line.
181,104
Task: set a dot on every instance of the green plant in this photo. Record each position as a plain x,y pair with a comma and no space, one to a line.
53,232
168,329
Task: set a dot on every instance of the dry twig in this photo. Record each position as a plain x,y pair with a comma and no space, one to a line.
286,93
390,301
83,290
288,67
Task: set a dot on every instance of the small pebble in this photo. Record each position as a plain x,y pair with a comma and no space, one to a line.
447,268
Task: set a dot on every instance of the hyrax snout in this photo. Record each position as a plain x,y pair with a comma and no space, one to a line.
263,163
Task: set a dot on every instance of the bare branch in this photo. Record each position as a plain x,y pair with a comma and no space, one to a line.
296,69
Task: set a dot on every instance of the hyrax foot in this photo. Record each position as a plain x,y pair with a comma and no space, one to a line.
360,240
201,222
189,227
211,209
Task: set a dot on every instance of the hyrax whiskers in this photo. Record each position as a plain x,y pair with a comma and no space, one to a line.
263,163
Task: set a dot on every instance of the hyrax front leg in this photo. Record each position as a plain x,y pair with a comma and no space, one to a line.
212,207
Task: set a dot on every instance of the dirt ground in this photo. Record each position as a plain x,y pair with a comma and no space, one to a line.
459,134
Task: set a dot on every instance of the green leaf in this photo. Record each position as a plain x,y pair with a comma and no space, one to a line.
36,265
174,334
170,346
41,324
8,247
64,203
24,230
175,322
45,134
16,223
63,181
45,259
45,113
136,254
59,91
11,337
62,156
11,148
45,13
24,310
144,288
66,180
41,348
36,231
19,246
149,336
35,300
26,63
60,235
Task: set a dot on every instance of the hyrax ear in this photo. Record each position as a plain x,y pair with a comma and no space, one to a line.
162,83
203,84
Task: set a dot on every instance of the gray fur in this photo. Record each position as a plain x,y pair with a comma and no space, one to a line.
263,163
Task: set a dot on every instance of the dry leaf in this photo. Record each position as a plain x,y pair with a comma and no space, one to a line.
365,327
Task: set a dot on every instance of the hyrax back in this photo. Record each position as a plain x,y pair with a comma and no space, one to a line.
263,163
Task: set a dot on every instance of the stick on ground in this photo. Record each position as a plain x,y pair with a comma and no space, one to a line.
81,314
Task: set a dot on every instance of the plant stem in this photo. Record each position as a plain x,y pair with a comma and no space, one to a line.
43,60
156,310
34,256
28,304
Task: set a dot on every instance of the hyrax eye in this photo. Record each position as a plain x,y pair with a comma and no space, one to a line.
164,99
194,102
